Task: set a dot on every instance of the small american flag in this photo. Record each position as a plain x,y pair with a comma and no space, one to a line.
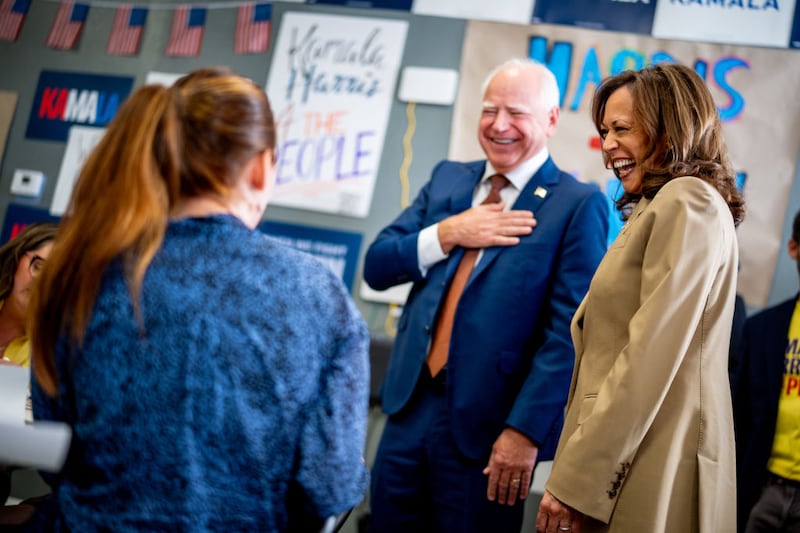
252,28
126,32
186,35
12,13
67,26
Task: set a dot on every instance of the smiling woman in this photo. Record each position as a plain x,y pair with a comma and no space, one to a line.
21,259
650,398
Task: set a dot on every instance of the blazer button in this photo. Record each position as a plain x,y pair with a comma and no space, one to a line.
612,494
427,329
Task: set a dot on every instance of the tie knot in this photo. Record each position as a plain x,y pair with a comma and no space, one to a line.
497,182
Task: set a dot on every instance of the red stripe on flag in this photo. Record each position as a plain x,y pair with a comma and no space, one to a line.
124,39
64,33
10,21
184,40
251,37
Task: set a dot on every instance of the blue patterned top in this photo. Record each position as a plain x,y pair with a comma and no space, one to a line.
241,405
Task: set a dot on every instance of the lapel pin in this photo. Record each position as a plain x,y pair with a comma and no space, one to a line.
541,192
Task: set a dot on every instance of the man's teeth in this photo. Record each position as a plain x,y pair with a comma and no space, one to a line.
503,141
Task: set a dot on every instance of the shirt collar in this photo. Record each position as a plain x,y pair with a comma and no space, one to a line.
520,176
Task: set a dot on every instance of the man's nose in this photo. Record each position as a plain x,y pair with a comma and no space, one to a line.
501,120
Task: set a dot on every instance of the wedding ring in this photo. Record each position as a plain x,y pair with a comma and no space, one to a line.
515,480
564,528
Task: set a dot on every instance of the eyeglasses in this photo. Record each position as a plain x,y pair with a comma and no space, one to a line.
35,266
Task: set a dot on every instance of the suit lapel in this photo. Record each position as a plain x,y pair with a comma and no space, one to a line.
460,200
538,190
464,187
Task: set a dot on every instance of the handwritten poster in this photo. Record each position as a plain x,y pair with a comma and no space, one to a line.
331,84
80,143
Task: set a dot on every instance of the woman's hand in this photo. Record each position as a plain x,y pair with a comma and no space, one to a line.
555,517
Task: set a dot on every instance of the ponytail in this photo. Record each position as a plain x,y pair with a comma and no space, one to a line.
165,145
119,208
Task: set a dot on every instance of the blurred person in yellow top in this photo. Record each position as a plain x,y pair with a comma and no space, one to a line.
766,412
21,258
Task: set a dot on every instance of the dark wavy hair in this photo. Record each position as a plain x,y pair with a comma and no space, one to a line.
32,237
675,109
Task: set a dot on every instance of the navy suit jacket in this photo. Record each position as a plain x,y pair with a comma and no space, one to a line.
511,354
757,384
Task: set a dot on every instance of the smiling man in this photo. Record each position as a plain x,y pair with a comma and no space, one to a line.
501,252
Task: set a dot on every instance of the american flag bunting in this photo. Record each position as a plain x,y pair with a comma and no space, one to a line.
186,35
252,28
12,13
67,26
126,32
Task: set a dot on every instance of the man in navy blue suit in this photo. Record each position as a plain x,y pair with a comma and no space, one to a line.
766,412
460,444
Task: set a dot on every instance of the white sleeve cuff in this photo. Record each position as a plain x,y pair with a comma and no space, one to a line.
429,250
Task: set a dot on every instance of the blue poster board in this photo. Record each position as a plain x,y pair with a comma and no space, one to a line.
19,216
404,5
65,99
794,37
337,249
628,16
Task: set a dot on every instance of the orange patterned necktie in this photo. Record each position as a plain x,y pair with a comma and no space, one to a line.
440,345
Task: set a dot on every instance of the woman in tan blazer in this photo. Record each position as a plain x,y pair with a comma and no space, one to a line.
648,441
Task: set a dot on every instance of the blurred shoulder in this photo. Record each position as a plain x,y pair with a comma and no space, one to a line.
447,166
769,314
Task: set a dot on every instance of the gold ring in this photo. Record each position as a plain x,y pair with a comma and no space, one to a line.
515,480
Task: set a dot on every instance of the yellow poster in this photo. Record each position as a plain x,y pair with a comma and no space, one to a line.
8,103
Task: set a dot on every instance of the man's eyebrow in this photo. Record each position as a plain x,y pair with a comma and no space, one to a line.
513,107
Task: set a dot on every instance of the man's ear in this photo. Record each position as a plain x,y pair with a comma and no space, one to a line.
794,248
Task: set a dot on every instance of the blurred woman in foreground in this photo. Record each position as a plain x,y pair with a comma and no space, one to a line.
213,379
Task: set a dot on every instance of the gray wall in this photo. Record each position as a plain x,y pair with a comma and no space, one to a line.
431,42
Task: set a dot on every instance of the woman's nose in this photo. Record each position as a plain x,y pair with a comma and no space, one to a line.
609,143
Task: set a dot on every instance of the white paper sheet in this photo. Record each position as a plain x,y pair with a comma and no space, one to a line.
14,382
41,445
80,143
